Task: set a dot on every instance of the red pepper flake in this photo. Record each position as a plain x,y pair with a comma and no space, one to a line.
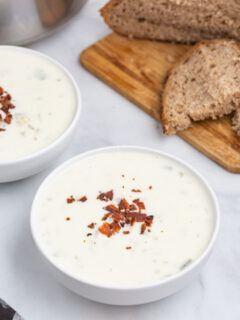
126,232
91,225
68,219
83,199
150,187
89,234
71,199
123,205
106,196
143,228
128,248
109,229
136,190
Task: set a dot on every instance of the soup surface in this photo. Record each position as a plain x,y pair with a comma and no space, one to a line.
124,218
37,103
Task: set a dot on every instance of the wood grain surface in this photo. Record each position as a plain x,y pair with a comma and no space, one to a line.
137,69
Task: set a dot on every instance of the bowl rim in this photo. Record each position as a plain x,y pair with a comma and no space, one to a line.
72,125
170,279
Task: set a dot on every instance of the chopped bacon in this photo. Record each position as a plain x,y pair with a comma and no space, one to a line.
109,229
104,218
106,196
150,187
1,129
136,190
68,218
139,217
8,118
71,199
91,225
128,248
118,217
89,234
83,199
111,208
123,205
140,204
1,91
126,232
149,220
132,207
143,228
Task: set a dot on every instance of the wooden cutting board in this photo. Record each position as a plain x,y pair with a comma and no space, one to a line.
137,69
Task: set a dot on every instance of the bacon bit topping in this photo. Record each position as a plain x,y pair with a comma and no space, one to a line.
111,208
123,205
8,118
149,221
150,187
5,106
91,225
143,228
71,199
140,204
132,207
149,230
109,228
128,248
68,218
83,199
136,190
123,175
89,234
106,196
124,214
104,218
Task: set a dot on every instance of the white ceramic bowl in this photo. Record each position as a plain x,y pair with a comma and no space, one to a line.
124,295
12,170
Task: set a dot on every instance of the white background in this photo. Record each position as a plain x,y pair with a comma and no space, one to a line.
109,119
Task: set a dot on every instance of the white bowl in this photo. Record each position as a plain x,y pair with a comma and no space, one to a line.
12,170
124,295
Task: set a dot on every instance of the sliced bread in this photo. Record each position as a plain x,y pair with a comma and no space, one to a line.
204,84
236,122
174,20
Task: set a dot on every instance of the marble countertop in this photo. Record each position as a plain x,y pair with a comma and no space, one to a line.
25,283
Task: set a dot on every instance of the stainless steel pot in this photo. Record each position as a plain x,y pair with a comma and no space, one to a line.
24,21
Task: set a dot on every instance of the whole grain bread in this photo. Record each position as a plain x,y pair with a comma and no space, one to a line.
204,84
236,122
174,20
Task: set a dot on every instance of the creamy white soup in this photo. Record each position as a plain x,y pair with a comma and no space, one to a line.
37,103
124,218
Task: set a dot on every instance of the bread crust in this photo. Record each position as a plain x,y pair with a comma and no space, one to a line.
167,129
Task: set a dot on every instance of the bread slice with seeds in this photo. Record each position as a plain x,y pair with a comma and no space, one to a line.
204,84
174,20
